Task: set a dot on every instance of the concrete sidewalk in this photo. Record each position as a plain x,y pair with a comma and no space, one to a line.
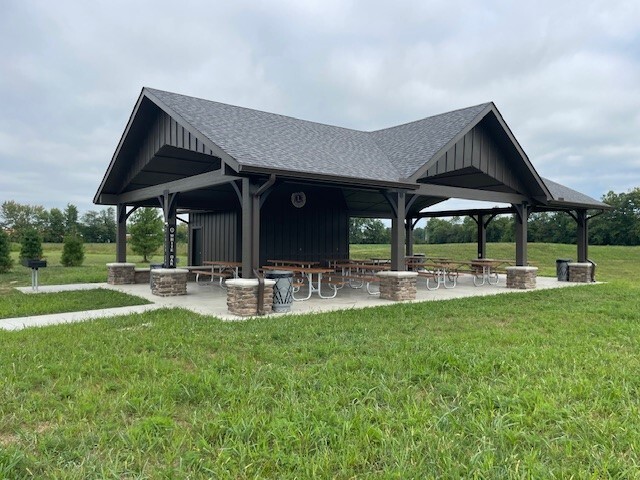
212,300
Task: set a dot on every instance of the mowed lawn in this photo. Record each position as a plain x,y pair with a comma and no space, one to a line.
524,385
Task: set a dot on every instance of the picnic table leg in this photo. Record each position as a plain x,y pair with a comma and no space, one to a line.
310,283
482,276
492,277
335,289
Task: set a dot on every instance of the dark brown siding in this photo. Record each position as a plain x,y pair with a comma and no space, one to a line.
162,130
220,235
478,151
318,231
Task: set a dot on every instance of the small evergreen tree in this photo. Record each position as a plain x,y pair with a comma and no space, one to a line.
146,232
6,262
31,245
73,251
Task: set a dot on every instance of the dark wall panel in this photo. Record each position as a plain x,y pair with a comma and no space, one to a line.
478,150
220,233
318,231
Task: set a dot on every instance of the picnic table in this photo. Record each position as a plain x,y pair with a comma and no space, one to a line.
312,276
294,263
485,271
443,272
215,269
357,274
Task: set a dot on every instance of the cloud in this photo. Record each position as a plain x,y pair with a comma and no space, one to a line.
563,74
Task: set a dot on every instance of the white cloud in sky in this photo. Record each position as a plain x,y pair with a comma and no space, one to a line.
565,76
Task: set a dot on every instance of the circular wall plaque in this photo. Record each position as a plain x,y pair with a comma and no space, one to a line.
298,199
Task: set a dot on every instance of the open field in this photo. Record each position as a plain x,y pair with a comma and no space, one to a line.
525,385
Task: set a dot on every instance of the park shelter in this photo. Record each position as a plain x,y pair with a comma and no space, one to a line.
258,185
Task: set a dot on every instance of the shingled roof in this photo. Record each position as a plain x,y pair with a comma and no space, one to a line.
565,196
253,141
269,140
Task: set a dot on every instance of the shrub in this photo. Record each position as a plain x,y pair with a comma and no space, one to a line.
72,251
5,252
31,245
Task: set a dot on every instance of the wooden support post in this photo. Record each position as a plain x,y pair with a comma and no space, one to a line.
397,231
521,220
255,232
482,236
169,207
409,236
247,227
582,232
121,233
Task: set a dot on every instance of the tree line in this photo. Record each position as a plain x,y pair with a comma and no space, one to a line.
95,226
619,226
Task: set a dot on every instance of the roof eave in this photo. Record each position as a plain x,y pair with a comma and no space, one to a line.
400,184
579,205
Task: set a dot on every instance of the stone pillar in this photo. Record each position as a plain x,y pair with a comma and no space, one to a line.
579,272
242,296
522,277
169,282
398,286
121,273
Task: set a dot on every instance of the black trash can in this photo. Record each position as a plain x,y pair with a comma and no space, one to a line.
562,269
153,266
282,290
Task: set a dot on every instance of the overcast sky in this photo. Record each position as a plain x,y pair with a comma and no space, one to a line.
564,74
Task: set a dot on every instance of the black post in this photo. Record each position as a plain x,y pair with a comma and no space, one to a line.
482,236
583,235
397,232
521,218
121,233
408,232
247,227
169,208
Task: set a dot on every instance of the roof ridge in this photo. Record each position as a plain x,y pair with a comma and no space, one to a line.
259,111
485,104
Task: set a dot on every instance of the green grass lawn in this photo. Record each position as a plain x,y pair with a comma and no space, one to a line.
17,304
526,385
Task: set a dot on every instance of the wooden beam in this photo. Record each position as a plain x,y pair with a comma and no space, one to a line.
445,191
195,182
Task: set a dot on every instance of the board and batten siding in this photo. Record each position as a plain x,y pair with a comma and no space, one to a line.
162,131
221,238
477,150
319,231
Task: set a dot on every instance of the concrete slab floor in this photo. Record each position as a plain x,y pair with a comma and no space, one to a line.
212,300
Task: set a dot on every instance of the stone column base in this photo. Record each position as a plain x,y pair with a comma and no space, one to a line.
242,296
579,272
121,273
141,275
169,282
522,277
398,286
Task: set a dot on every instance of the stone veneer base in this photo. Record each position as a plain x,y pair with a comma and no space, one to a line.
579,272
141,275
121,273
523,278
242,296
169,282
398,286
